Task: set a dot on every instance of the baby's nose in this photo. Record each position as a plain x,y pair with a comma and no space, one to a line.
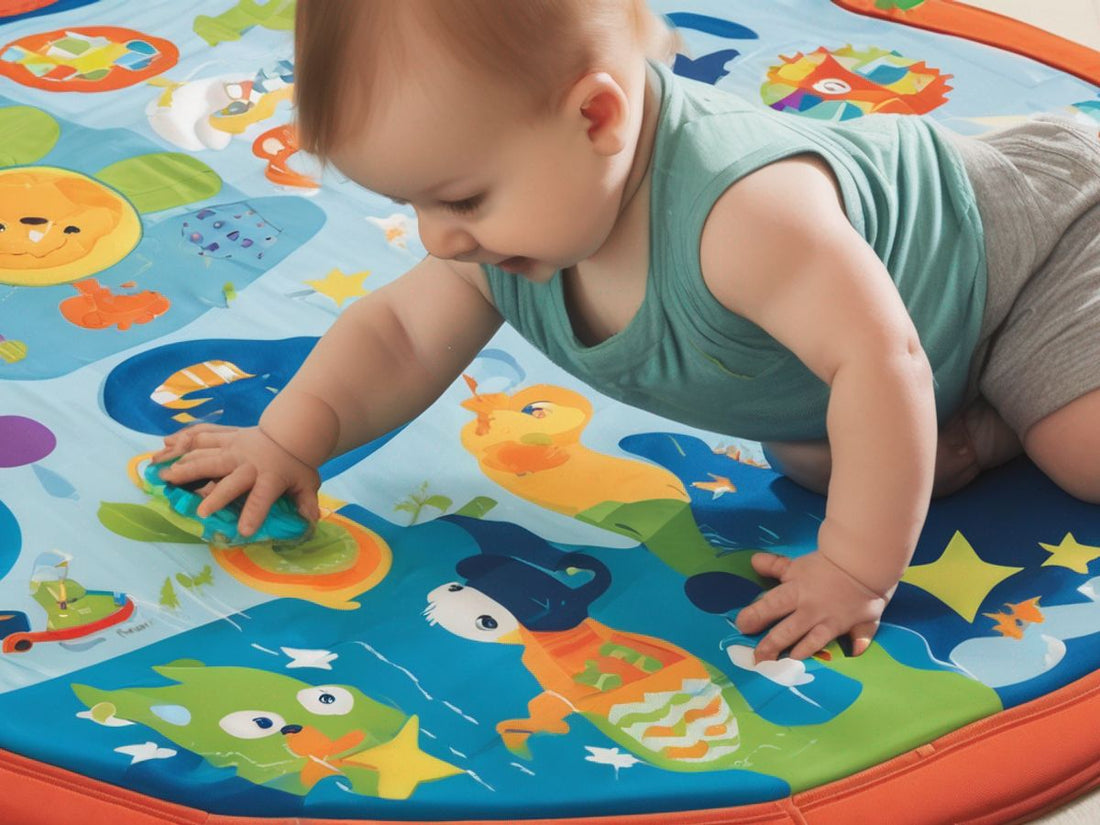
447,241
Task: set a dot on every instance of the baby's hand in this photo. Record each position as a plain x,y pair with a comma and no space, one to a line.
240,460
815,602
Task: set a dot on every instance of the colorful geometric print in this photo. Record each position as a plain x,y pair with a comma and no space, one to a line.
86,59
846,83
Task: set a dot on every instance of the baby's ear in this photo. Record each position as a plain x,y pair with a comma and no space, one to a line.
603,105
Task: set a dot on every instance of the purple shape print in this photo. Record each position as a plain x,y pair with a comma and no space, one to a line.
23,441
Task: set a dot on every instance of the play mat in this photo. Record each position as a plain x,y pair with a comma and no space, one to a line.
520,605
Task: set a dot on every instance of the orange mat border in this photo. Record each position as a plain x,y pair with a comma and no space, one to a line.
981,25
1007,768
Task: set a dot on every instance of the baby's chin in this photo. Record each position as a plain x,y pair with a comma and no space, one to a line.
541,274
529,268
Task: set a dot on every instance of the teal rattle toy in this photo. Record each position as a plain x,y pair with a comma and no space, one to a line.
283,523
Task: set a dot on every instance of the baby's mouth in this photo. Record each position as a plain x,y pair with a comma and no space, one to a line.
516,265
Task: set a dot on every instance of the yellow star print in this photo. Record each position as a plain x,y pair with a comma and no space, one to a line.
959,578
339,287
401,765
1070,553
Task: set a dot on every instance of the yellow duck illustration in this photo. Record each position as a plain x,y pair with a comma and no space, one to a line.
529,443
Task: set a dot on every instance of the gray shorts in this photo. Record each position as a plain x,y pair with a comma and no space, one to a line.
1038,191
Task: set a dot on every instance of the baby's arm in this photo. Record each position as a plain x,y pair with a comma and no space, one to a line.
385,360
779,250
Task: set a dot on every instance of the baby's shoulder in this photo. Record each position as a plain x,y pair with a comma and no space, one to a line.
769,221
791,192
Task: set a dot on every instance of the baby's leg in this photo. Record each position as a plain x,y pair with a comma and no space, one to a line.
808,463
974,440
1066,446
1042,369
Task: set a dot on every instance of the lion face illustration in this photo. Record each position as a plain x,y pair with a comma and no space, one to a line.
58,226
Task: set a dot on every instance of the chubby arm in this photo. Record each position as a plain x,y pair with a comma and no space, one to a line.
385,360
779,250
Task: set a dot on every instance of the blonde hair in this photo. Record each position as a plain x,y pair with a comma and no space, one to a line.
542,46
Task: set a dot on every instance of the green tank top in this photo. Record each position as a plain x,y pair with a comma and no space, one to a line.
684,355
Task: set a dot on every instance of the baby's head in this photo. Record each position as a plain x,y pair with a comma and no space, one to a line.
509,125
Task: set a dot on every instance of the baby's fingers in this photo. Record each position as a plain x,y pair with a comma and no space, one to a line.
781,637
265,490
212,439
770,565
818,637
768,609
174,445
198,464
229,489
191,438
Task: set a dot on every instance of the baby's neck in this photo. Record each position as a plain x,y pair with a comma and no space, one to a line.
643,150
604,292
633,215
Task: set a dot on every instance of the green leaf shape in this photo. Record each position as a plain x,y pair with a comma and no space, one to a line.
142,523
476,507
162,180
439,502
27,135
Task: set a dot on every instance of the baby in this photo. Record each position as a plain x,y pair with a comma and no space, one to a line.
888,307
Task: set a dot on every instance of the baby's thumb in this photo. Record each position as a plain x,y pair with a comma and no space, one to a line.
308,507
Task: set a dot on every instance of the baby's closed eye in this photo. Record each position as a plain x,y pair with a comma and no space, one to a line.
464,206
